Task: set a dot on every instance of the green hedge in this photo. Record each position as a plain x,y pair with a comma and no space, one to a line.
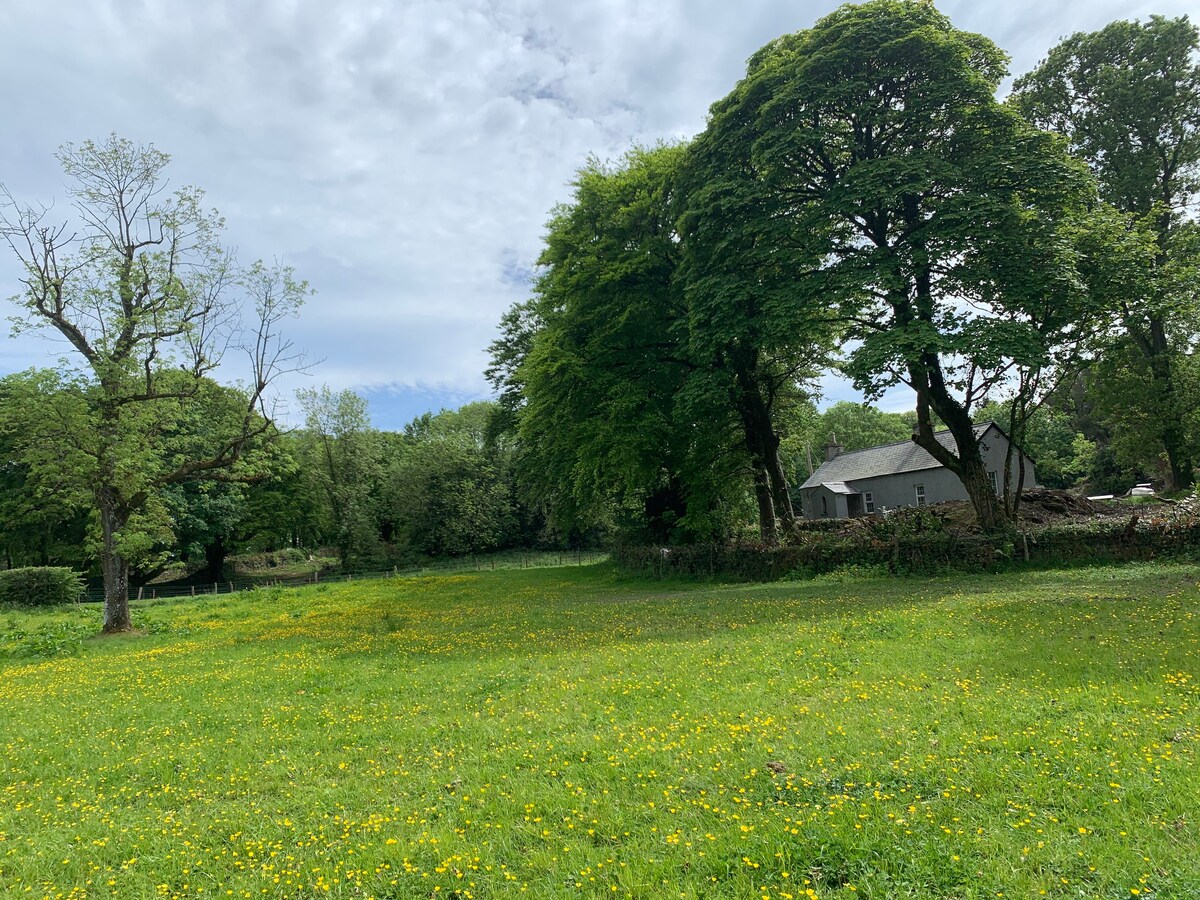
40,586
925,551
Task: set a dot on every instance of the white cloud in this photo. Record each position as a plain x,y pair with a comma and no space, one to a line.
403,157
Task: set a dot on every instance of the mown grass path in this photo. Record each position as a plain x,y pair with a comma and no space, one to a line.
573,733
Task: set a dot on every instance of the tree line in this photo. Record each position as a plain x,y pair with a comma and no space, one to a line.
374,499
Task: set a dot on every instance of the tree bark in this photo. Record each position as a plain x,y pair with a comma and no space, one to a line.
214,559
768,531
967,463
780,492
1174,437
113,519
763,444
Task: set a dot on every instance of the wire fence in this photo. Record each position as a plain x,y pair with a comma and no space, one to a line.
538,560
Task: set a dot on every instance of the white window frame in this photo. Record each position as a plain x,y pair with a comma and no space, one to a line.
869,503
994,477
919,489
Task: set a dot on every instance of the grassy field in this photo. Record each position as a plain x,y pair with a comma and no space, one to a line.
574,733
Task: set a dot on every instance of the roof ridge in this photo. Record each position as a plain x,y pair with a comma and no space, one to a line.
974,425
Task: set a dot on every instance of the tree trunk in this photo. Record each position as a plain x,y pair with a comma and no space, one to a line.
214,559
779,483
967,463
115,566
763,444
1174,437
767,529
979,488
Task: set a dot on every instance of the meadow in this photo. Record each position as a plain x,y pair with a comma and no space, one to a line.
573,732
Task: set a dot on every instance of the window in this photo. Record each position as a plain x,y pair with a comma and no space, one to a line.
995,479
920,495
869,502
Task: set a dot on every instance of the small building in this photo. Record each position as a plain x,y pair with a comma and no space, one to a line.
862,482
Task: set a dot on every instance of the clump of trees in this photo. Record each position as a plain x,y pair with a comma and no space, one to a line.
863,187
1127,101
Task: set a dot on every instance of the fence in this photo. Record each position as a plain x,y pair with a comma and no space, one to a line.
538,560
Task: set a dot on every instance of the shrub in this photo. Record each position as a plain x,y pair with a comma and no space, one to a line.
919,544
40,586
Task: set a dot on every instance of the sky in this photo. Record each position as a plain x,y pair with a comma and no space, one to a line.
403,157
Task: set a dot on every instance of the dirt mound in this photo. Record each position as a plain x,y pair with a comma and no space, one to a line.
1043,505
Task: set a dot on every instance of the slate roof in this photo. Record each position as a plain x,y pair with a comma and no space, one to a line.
886,459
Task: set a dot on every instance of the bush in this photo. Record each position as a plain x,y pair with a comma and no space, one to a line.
918,544
40,586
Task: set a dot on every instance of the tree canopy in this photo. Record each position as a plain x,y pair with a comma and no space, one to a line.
939,226
1127,99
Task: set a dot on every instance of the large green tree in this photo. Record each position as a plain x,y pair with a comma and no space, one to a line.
930,217
753,343
1127,98
601,358
139,286
342,455
451,489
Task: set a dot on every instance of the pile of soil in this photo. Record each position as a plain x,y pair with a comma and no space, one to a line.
1045,506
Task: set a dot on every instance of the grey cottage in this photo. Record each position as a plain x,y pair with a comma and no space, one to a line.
868,481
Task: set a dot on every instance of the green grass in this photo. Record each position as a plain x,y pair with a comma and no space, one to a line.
574,733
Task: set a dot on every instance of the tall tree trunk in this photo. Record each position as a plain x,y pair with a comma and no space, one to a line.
768,532
113,519
763,443
929,382
975,479
1174,436
967,463
214,559
779,483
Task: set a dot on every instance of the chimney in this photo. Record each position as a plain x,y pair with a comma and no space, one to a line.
833,449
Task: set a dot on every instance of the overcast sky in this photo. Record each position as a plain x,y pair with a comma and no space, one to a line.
402,156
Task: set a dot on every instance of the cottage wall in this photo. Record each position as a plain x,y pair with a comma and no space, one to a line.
891,491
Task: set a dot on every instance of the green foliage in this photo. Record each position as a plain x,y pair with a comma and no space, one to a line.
342,456
450,492
44,641
904,188
141,289
855,425
1064,456
44,524
40,586
1127,99
602,427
